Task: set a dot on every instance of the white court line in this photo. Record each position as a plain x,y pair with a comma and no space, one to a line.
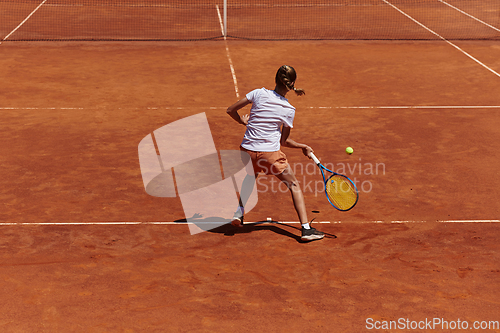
307,107
26,19
473,17
410,107
471,221
134,223
186,223
233,73
441,37
51,108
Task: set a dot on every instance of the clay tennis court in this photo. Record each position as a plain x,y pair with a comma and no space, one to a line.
85,249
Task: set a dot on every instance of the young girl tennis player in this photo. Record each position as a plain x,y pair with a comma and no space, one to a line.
268,128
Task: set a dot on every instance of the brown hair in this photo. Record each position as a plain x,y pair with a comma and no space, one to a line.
286,77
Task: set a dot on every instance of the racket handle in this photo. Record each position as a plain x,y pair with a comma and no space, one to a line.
314,158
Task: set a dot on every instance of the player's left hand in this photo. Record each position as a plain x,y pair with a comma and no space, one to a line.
245,118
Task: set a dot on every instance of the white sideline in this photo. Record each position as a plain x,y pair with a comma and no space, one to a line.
185,223
441,37
26,19
233,73
307,107
469,15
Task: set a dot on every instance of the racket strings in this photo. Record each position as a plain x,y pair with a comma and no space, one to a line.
341,192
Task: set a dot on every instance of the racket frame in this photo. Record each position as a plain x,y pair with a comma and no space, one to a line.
321,168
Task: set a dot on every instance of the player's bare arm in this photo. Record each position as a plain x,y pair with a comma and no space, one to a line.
233,111
286,141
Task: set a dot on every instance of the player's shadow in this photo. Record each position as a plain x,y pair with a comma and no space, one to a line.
276,227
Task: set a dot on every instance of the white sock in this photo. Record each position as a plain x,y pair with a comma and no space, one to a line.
240,212
306,226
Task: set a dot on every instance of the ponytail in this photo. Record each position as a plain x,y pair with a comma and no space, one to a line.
299,91
286,77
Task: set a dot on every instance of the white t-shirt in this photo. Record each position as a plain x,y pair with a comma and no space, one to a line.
269,112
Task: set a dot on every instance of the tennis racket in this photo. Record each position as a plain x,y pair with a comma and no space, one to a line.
340,191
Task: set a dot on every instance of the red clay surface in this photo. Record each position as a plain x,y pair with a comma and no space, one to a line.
73,114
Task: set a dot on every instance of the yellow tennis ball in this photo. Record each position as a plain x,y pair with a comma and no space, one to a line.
349,150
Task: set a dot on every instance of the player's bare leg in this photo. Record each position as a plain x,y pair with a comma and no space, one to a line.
246,190
289,179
